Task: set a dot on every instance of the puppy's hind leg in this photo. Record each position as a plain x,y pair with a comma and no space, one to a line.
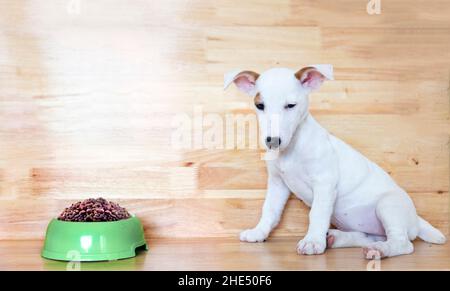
350,239
398,216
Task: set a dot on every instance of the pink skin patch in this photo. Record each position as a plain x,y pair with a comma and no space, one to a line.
361,218
313,79
244,83
330,241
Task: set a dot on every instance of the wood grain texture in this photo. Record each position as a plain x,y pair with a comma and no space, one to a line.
215,254
88,98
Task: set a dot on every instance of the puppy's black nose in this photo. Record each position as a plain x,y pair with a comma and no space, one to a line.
273,142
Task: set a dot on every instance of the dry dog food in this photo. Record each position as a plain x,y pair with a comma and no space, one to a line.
94,210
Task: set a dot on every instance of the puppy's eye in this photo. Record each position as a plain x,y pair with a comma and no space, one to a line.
260,106
290,106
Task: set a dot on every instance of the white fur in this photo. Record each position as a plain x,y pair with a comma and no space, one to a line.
340,185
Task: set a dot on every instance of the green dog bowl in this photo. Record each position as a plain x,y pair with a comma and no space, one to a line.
93,241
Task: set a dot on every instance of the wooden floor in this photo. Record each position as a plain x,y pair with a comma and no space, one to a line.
229,254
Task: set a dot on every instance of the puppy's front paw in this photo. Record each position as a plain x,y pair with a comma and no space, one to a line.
253,235
311,246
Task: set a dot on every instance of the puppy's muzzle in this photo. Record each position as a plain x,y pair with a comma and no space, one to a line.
273,142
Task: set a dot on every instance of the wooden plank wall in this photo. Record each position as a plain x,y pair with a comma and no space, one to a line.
89,91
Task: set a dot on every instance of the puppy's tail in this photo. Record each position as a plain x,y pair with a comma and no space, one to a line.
429,233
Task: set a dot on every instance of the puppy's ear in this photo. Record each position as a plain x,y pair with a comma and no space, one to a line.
244,80
312,77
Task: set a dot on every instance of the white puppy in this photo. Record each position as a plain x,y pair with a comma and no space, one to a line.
341,186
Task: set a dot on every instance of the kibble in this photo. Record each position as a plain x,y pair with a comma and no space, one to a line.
94,210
